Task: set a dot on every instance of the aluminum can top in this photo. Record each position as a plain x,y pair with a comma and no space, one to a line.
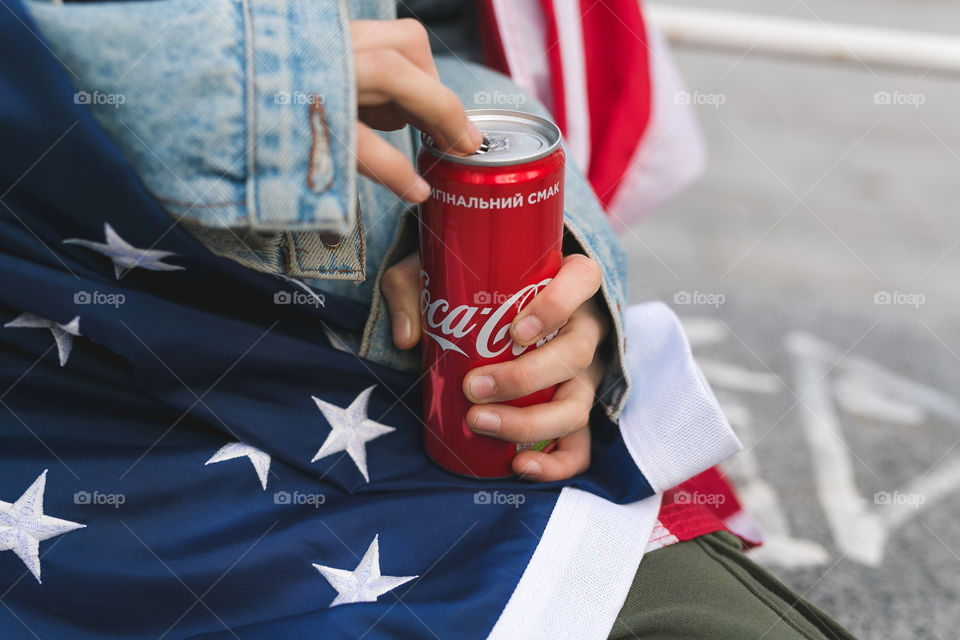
509,138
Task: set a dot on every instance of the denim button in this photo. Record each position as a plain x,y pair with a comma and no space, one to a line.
330,239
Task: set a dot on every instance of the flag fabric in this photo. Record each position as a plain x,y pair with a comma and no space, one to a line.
610,82
703,504
186,455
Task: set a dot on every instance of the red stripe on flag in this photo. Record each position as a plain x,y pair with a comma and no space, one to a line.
494,55
618,88
556,65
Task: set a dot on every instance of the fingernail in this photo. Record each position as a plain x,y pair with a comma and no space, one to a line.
531,469
476,137
401,326
486,421
481,387
528,328
420,190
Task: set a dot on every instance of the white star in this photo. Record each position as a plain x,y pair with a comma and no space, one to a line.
351,430
260,460
124,255
363,584
23,525
62,333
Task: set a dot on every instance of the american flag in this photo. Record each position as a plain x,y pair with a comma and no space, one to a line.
183,457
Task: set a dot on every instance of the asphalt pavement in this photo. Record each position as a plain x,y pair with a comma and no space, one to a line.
817,267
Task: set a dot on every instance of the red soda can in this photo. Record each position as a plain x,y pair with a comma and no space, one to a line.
490,239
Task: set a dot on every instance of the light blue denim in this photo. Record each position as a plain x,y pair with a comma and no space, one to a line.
215,102
239,116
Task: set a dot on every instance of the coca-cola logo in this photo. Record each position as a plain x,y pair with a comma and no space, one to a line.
487,325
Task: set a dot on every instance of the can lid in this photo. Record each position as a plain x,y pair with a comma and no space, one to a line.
509,137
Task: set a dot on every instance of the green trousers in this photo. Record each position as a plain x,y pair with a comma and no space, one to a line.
706,588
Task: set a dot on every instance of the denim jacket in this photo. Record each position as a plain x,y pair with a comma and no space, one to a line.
239,117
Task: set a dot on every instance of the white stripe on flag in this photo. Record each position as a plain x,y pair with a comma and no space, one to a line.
573,60
672,425
672,152
523,34
581,571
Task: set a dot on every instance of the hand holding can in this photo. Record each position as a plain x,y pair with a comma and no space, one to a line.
567,307
490,240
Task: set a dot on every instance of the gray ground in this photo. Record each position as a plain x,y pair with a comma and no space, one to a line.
817,200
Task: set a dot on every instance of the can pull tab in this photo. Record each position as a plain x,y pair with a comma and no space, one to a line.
493,143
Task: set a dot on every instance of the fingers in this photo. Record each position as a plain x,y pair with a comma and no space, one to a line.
560,359
577,281
379,160
565,417
397,84
401,288
406,36
570,458
386,76
568,411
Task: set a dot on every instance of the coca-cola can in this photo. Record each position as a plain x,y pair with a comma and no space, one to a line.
490,239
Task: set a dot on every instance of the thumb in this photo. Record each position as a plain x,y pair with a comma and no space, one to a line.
401,287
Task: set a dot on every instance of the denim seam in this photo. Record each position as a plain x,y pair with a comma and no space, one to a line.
331,207
315,108
250,70
617,394
294,253
349,89
365,340
294,257
205,205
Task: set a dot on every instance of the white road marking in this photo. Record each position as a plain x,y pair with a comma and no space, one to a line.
731,376
861,530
